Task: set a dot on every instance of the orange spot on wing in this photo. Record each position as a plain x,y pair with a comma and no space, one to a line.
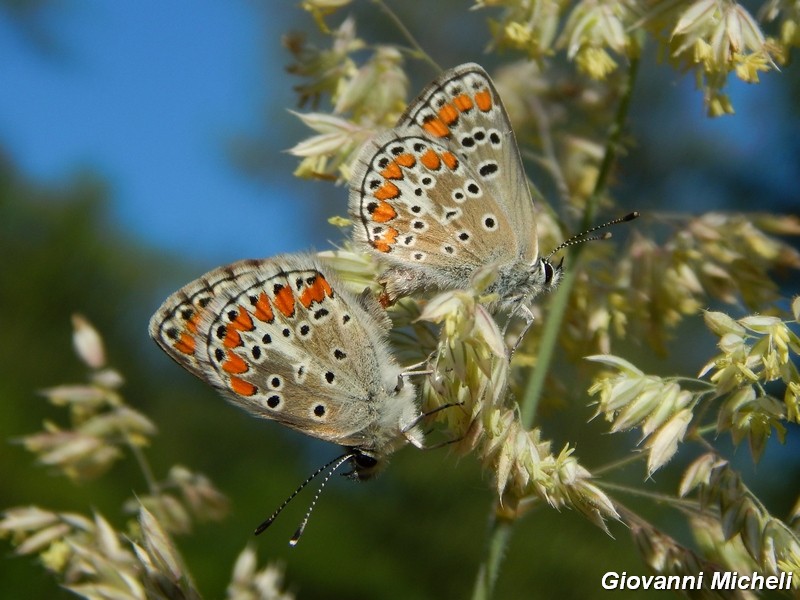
263,310
448,114
325,286
431,160
192,323
484,100
463,103
386,191
393,171
242,387
284,301
243,322
406,160
384,213
185,344
232,338
450,160
308,296
235,364
436,127
315,292
385,242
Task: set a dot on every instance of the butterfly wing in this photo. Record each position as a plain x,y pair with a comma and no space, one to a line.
445,192
281,339
462,106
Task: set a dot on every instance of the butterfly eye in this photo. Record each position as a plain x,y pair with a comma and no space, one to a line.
365,466
548,272
365,461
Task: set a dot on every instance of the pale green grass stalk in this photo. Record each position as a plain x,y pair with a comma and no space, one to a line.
500,530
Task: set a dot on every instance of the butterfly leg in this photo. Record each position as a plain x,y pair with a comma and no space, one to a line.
397,282
528,316
443,444
402,377
423,416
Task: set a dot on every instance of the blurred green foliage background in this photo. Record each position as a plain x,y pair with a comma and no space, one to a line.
419,530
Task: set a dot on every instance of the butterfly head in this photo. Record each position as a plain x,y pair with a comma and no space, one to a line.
550,273
368,461
366,464
526,281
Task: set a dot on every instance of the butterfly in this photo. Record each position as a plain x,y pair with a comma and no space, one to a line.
444,194
284,340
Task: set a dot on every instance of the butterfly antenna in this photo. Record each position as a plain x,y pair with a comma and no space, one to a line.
339,462
585,236
336,462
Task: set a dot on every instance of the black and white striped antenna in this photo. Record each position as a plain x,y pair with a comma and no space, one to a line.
331,468
585,236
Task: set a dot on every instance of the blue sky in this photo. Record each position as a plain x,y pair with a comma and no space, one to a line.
149,95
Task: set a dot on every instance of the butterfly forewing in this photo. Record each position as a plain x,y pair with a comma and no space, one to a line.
444,193
281,339
463,107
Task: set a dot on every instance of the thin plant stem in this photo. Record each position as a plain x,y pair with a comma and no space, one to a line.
558,306
548,147
547,345
500,530
408,35
138,455
144,465
617,464
489,570
656,497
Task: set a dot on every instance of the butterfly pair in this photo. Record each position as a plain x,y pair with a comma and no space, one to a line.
435,199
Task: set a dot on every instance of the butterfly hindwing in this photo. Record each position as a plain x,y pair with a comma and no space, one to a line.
420,202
